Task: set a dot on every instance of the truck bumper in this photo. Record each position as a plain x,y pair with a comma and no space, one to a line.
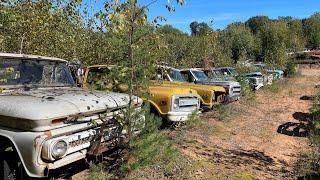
179,116
257,86
232,98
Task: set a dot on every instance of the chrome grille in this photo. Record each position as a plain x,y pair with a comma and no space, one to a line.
185,103
236,90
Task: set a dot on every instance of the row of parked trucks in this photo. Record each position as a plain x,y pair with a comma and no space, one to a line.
51,117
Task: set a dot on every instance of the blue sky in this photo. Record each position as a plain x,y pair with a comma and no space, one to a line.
224,12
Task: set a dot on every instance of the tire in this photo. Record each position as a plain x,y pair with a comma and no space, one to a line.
6,170
11,167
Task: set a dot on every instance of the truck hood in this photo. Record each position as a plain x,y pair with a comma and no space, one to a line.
196,87
276,71
157,89
221,82
46,104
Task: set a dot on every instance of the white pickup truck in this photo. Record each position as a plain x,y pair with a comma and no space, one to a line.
46,122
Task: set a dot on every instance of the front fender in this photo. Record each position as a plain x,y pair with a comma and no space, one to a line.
157,107
28,146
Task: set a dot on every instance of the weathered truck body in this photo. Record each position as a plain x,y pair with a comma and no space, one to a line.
46,122
196,75
210,95
256,80
176,104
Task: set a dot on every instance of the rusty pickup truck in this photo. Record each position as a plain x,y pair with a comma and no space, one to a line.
47,123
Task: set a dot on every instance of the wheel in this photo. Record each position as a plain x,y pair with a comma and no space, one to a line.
6,170
11,167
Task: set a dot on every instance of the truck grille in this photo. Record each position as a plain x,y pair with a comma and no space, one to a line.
185,103
236,90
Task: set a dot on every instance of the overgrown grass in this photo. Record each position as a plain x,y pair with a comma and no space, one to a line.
244,175
310,161
274,87
224,112
290,68
248,95
150,149
194,121
97,172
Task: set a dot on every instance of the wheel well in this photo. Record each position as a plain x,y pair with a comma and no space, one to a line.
217,94
154,110
5,143
7,147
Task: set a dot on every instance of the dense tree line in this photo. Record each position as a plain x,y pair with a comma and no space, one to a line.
65,29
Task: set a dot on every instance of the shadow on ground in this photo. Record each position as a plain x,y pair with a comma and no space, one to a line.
307,98
242,157
301,116
309,177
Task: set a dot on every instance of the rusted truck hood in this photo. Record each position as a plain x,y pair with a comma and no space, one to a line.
47,104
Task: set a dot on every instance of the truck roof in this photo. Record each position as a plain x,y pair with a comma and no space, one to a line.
31,57
167,67
101,66
223,68
192,69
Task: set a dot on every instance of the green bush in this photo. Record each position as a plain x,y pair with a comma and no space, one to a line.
274,87
150,149
311,159
246,90
97,172
290,69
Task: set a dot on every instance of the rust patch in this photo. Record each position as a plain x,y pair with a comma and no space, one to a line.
48,134
35,141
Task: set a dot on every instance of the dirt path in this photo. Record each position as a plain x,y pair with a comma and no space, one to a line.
264,139
260,140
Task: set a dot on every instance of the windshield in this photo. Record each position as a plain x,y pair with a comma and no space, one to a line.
233,71
34,72
176,75
200,75
218,73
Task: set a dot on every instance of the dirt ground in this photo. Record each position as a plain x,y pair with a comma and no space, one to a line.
265,138
262,139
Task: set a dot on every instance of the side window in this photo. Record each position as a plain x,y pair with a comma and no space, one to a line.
225,72
159,74
186,76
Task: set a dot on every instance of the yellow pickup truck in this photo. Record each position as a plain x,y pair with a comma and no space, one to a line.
210,95
171,102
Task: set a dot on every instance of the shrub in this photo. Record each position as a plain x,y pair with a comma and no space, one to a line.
246,89
290,69
311,165
274,87
150,149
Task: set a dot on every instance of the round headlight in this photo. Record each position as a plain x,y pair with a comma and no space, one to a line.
59,149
